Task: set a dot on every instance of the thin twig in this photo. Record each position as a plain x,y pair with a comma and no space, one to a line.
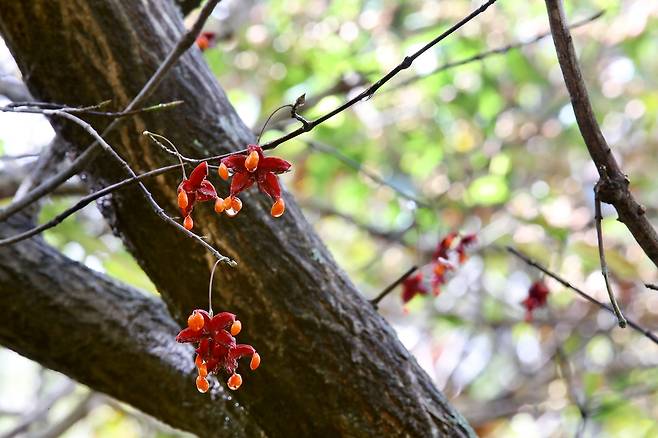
634,325
375,301
565,368
83,202
497,51
604,266
651,286
154,137
90,153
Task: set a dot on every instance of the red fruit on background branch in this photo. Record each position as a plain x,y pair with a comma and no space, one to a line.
254,167
206,40
195,189
537,296
412,286
216,348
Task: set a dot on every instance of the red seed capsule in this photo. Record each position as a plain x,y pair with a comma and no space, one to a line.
219,205
255,361
182,200
188,223
278,208
195,321
223,171
236,327
202,384
236,204
234,381
251,163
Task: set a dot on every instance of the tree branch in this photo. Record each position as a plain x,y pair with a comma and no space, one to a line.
614,185
636,326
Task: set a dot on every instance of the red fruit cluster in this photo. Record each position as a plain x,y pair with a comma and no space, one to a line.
216,346
444,259
412,286
254,167
537,296
194,189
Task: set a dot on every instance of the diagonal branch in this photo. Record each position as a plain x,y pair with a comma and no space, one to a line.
614,185
634,325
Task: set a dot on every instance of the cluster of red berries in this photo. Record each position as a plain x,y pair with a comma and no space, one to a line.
247,169
537,297
444,259
216,346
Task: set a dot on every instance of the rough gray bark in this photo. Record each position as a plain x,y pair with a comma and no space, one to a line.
105,335
331,365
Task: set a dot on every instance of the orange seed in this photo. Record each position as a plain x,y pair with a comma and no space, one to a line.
228,202
188,223
251,163
202,384
278,208
219,205
236,327
182,200
234,381
236,204
255,361
195,321
223,171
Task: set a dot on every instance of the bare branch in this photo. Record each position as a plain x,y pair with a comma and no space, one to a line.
637,327
614,189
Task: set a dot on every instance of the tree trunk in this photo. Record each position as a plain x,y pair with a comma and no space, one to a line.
331,364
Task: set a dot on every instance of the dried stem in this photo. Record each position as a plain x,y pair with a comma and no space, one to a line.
212,275
604,266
